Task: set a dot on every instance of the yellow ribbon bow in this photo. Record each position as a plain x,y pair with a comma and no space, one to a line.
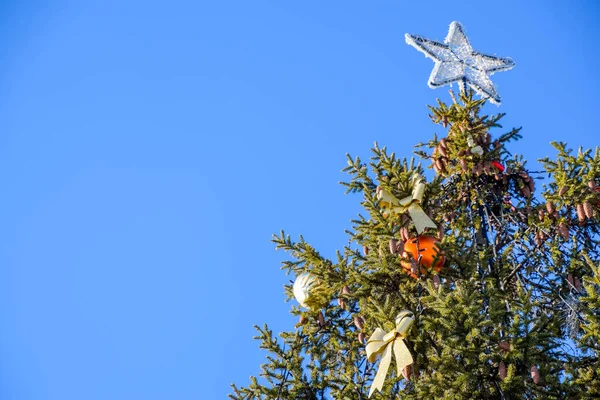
382,344
410,204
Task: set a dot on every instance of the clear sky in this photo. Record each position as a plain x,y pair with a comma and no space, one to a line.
148,150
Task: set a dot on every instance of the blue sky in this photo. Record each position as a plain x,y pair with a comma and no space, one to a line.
149,150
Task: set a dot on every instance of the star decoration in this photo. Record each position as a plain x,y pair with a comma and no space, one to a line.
455,61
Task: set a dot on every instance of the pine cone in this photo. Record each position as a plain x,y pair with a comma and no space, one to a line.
563,190
359,322
550,207
414,268
400,247
393,246
531,185
437,282
404,233
580,213
441,233
303,320
538,238
444,143
442,150
535,375
407,372
361,337
563,229
570,278
366,250
541,214
341,303
577,284
525,191
464,165
321,319
502,370
587,209
592,184
504,345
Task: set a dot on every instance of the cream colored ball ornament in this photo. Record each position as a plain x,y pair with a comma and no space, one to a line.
303,286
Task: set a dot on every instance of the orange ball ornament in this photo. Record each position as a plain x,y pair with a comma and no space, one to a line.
427,249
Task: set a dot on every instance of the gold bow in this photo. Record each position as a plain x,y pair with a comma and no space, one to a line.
382,344
410,204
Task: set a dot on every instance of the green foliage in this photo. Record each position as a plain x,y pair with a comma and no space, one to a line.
508,317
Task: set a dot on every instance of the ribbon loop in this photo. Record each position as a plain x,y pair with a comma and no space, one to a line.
382,344
410,204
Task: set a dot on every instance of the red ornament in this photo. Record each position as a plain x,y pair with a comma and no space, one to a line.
428,253
498,165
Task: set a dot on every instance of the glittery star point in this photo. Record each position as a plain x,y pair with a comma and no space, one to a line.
456,61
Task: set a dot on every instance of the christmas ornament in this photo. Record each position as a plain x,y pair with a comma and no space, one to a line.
455,61
498,165
410,204
382,344
424,251
303,286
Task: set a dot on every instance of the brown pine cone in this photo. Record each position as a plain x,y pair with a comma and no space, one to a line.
464,165
404,233
541,214
346,290
592,184
303,320
563,229
563,190
580,213
407,372
535,375
366,250
441,233
525,191
502,370
341,303
570,278
393,246
577,284
359,322
550,207
504,345
400,247
531,185
361,337
587,209
437,282
444,143
442,150
414,268
537,238
321,319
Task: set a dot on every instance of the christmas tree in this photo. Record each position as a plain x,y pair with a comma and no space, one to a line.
473,284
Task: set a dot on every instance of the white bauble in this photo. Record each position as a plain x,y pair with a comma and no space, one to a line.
302,288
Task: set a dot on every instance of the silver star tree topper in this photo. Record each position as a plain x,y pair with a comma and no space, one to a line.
455,61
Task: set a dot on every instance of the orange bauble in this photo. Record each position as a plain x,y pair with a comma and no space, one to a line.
428,250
